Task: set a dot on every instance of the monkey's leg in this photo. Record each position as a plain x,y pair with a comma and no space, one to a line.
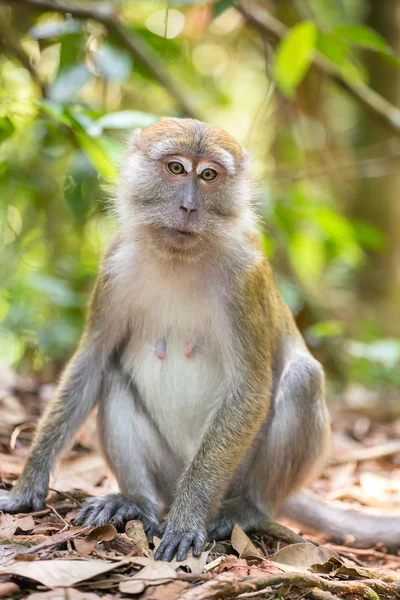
131,445
288,451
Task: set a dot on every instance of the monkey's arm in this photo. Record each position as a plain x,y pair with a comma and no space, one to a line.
77,393
234,426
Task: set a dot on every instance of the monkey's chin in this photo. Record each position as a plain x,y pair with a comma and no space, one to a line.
180,244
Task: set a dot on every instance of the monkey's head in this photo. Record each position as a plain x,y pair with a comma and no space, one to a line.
184,184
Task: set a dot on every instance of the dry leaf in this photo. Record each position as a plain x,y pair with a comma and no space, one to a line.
82,471
243,545
134,530
10,524
63,594
59,573
195,564
299,558
155,573
236,565
104,533
166,591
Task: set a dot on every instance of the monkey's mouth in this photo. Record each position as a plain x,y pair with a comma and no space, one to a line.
183,232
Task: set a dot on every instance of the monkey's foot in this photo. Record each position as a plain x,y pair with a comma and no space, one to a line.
117,509
236,510
179,542
22,502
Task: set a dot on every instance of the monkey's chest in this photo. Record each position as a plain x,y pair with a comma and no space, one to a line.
179,380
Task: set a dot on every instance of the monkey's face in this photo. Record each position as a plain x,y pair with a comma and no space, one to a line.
186,184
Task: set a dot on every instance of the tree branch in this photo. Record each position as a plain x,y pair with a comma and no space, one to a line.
132,41
274,30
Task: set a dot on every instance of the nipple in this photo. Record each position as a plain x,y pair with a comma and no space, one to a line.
161,348
188,349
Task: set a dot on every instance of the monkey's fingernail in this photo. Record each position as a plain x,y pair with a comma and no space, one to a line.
188,349
160,349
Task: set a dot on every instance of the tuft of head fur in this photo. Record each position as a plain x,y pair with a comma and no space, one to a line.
149,200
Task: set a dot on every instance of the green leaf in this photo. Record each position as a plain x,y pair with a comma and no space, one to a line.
363,36
6,128
307,256
96,154
126,119
68,83
113,64
333,47
294,56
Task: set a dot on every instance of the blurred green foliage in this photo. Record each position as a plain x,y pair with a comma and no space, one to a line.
63,121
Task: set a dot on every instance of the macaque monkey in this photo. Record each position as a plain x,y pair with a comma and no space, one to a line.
211,408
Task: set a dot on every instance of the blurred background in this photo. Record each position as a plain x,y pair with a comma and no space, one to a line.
310,87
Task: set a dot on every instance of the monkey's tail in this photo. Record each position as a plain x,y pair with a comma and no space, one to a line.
358,528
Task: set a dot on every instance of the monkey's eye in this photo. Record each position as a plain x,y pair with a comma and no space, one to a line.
208,174
176,168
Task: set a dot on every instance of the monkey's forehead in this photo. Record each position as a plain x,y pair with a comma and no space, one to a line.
188,136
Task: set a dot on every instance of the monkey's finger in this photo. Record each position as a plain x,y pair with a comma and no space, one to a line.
167,548
184,546
198,546
83,513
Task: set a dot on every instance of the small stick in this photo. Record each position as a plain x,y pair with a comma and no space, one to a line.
66,523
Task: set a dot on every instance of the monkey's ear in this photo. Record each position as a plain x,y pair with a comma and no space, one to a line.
133,139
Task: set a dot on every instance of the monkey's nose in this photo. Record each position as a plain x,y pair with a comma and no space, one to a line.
188,213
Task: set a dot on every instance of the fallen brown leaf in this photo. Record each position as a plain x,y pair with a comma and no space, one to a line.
86,545
166,591
155,573
243,545
63,594
236,565
9,524
59,573
299,558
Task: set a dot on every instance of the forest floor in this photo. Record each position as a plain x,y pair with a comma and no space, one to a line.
44,557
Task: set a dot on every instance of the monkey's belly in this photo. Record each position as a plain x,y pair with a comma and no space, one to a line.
181,392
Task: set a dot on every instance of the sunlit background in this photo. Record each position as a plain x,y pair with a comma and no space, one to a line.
291,80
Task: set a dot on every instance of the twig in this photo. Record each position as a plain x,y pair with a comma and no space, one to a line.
54,511
229,584
388,449
318,594
132,41
66,495
364,552
267,25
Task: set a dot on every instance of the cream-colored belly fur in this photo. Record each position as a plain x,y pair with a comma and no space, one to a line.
181,394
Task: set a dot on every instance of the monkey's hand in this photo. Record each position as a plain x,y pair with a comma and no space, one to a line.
21,501
179,539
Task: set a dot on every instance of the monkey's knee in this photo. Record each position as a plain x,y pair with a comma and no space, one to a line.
293,443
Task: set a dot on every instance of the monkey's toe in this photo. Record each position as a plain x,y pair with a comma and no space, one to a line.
179,542
117,509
